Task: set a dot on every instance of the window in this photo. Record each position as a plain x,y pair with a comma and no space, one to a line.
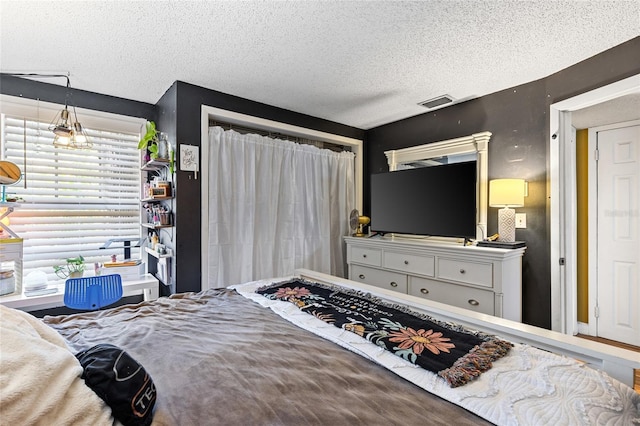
72,201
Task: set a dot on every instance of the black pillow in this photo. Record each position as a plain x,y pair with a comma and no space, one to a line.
121,382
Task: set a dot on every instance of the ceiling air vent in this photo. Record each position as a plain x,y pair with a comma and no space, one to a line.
438,102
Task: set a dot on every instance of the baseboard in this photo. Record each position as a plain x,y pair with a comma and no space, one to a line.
583,328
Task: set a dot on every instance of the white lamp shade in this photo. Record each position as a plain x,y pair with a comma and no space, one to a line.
506,193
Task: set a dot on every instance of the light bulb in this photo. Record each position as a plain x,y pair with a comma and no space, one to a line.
61,141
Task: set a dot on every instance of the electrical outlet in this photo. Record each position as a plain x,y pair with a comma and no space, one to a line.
521,220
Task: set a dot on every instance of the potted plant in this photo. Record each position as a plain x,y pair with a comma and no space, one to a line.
156,144
150,140
74,268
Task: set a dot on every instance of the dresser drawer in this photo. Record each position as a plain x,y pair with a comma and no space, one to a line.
379,278
474,299
410,263
466,272
367,256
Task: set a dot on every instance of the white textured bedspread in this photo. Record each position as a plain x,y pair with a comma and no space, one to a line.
527,387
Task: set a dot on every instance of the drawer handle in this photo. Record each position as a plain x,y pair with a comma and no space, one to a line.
364,255
473,302
361,276
394,284
424,291
406,262
462,271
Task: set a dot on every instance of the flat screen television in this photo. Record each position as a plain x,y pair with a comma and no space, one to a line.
432,201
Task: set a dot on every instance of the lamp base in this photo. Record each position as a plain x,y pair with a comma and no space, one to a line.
507,224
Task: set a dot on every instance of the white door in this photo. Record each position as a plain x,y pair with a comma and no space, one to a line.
618,234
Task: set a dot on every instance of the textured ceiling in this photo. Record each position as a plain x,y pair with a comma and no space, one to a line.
357,63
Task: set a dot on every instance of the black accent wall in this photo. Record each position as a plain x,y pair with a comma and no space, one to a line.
519,148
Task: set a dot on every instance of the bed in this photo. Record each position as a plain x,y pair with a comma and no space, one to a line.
245,355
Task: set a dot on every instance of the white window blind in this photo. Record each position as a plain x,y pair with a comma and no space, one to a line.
73,201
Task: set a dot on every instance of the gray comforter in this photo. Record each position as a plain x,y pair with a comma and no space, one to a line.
220,359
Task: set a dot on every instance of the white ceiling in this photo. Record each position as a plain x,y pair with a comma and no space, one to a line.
354,62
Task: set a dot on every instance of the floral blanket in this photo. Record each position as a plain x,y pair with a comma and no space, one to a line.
454,353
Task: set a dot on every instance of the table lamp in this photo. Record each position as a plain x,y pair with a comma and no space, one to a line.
506,193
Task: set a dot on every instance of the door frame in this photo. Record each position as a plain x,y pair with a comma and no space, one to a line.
593,224
209,112
562,189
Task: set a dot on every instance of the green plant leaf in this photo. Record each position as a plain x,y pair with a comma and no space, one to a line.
149,136
74,264
143,143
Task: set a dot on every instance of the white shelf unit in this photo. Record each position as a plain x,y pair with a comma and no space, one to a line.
484,280
154,165
159,264
157,255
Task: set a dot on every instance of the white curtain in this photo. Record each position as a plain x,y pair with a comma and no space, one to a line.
275,206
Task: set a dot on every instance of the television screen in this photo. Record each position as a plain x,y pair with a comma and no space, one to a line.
433,201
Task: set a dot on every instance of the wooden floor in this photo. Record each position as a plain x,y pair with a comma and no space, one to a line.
636,375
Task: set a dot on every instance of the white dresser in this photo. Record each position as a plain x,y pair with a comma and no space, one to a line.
480,279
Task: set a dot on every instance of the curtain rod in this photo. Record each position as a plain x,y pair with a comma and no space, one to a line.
278,135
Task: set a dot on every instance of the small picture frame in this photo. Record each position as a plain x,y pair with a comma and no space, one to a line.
158,191
189,159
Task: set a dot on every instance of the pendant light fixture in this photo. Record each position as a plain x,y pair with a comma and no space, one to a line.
68,131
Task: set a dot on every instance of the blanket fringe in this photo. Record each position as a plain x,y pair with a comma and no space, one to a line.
477,361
